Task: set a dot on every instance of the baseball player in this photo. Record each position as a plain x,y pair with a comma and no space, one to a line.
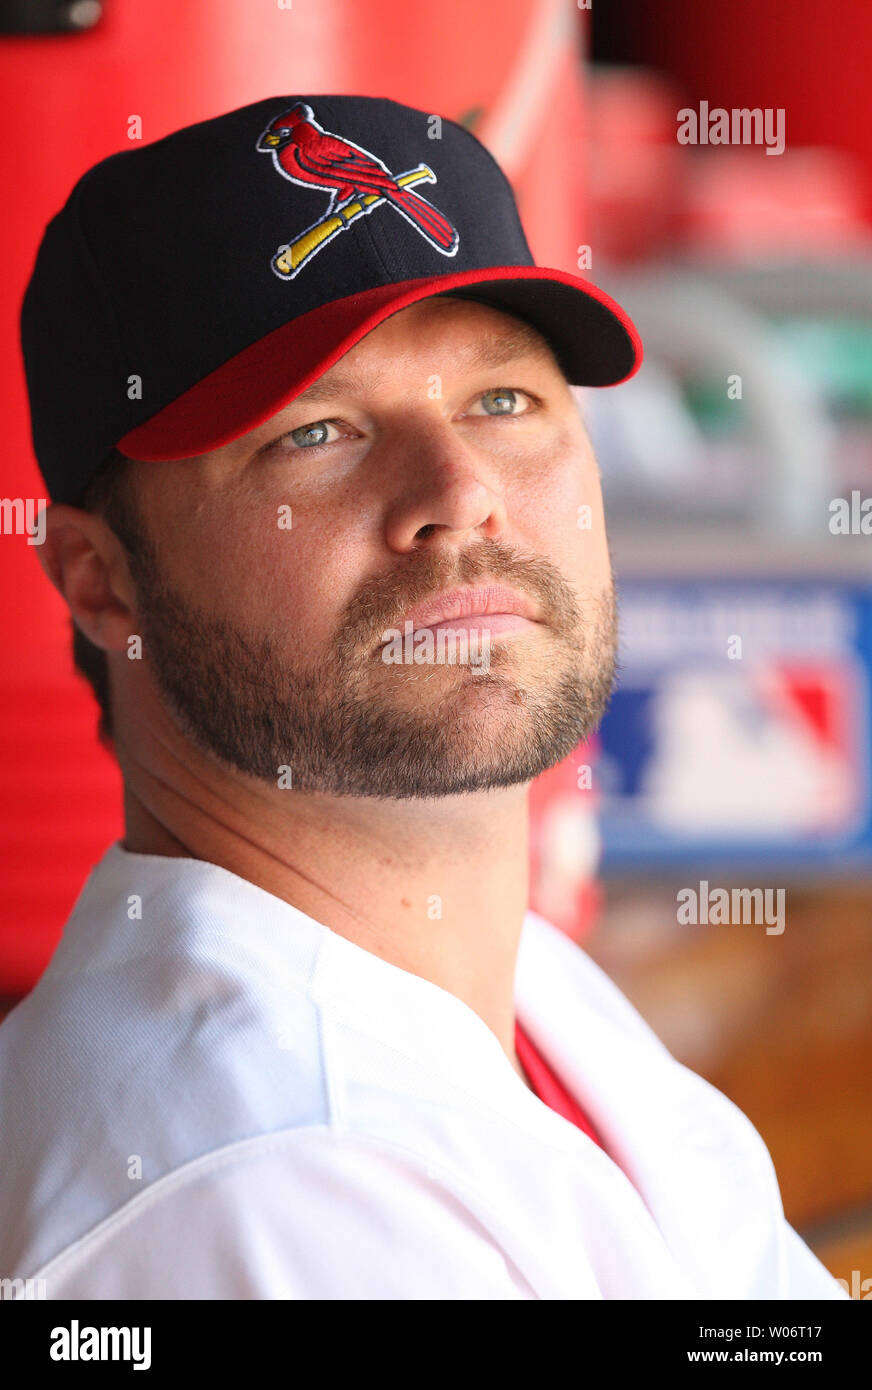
302,402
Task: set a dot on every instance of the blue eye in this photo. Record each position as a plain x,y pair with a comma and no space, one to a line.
309,436
503,401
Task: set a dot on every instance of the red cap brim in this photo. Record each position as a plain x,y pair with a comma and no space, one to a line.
595,341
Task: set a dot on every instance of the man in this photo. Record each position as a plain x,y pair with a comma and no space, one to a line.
311,441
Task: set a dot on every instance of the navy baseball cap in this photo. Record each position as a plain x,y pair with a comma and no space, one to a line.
191,288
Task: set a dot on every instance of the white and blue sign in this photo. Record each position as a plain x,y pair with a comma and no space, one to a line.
741,730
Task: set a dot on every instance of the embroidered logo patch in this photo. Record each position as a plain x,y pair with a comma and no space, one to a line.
357,181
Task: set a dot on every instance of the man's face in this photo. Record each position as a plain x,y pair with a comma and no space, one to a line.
443,451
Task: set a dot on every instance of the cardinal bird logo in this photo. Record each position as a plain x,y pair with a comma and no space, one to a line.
357,181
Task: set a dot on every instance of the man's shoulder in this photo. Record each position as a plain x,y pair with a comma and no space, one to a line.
314,1212
165,1042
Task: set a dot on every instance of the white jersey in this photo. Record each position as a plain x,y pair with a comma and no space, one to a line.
211,1095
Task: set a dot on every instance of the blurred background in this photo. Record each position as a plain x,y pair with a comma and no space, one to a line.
737,751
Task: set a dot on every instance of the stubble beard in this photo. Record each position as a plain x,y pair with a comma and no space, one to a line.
348,725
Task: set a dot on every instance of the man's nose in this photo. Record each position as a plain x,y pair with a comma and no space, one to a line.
441,485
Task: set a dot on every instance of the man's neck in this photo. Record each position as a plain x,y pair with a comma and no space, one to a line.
438,888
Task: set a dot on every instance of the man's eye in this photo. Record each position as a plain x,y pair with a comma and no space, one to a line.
309,436
502,401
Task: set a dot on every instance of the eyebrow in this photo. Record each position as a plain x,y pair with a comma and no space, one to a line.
486,352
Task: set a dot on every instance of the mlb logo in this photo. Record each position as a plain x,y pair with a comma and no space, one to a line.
747,751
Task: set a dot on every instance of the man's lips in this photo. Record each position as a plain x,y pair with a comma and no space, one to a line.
494,607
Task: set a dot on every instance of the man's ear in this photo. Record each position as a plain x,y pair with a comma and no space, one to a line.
87,564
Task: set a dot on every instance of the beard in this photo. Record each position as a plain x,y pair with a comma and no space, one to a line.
347,724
